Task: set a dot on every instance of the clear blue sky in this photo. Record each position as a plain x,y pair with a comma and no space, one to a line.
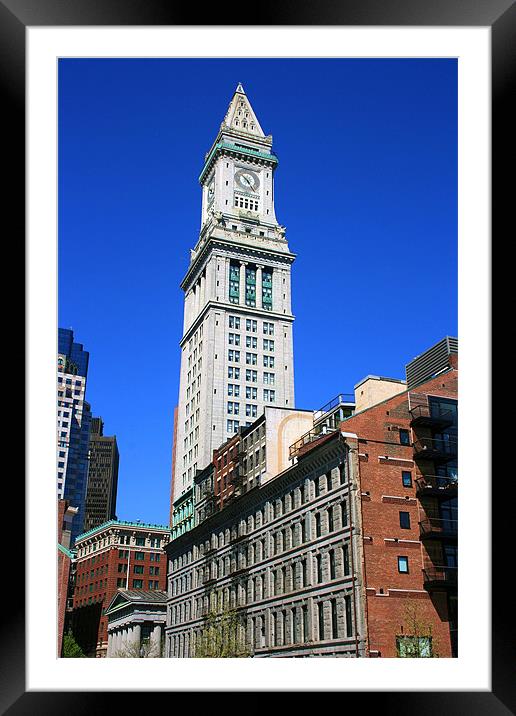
366,186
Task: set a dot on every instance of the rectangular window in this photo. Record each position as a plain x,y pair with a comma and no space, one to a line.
320,607
250,287
140,541
138,569
349,622
334,622
404,437
137,583
403,565
267,289
345,559
234,322
318,563
406,478
234,284
405,520
332,565
139,556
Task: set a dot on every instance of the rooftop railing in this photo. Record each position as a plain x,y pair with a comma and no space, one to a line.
340,399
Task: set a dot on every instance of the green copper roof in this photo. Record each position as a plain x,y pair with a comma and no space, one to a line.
66,551
241,150
121,523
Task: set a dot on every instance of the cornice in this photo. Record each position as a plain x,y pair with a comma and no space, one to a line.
254,249
239,151
248,501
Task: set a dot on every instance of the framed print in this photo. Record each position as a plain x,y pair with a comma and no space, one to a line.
65,70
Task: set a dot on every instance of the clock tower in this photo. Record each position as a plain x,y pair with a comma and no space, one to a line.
236,350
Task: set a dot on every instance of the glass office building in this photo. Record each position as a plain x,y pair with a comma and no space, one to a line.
73,426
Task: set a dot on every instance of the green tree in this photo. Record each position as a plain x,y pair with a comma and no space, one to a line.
71,650
222,637
417,640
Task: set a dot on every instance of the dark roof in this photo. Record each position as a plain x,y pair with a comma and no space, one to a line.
137,596
143,595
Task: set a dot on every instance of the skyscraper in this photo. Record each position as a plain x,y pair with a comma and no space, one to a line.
236,349
73,426
102,477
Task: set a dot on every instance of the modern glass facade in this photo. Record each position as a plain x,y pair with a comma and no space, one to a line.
74,352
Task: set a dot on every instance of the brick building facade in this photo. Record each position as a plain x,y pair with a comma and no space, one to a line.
116,555
65,515
407,472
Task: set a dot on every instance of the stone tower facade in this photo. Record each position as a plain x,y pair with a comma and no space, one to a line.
237,352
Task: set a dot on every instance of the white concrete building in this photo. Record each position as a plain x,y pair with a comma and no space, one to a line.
237,352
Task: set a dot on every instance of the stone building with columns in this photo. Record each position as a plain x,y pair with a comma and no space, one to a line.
236,349
136,619
285,556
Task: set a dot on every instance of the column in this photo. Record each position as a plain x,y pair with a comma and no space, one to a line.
118,643
259,289
211,266
197,298
310,636
203,290
155,642
241,298
277,292
109,645
136,638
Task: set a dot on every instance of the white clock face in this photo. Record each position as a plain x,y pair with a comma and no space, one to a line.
247,180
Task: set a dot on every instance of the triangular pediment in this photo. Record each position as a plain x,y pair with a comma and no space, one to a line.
118,599
240,115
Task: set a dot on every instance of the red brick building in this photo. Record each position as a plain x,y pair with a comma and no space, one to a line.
115,555
65,515
406,463
226,473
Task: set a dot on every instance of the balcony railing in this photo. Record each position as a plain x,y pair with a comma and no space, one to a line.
435,577
340,399
329,426
435,449
424,415
436,485
436,528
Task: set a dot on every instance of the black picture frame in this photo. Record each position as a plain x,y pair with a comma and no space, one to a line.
500,16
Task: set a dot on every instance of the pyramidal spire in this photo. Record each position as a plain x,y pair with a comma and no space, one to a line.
240,115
